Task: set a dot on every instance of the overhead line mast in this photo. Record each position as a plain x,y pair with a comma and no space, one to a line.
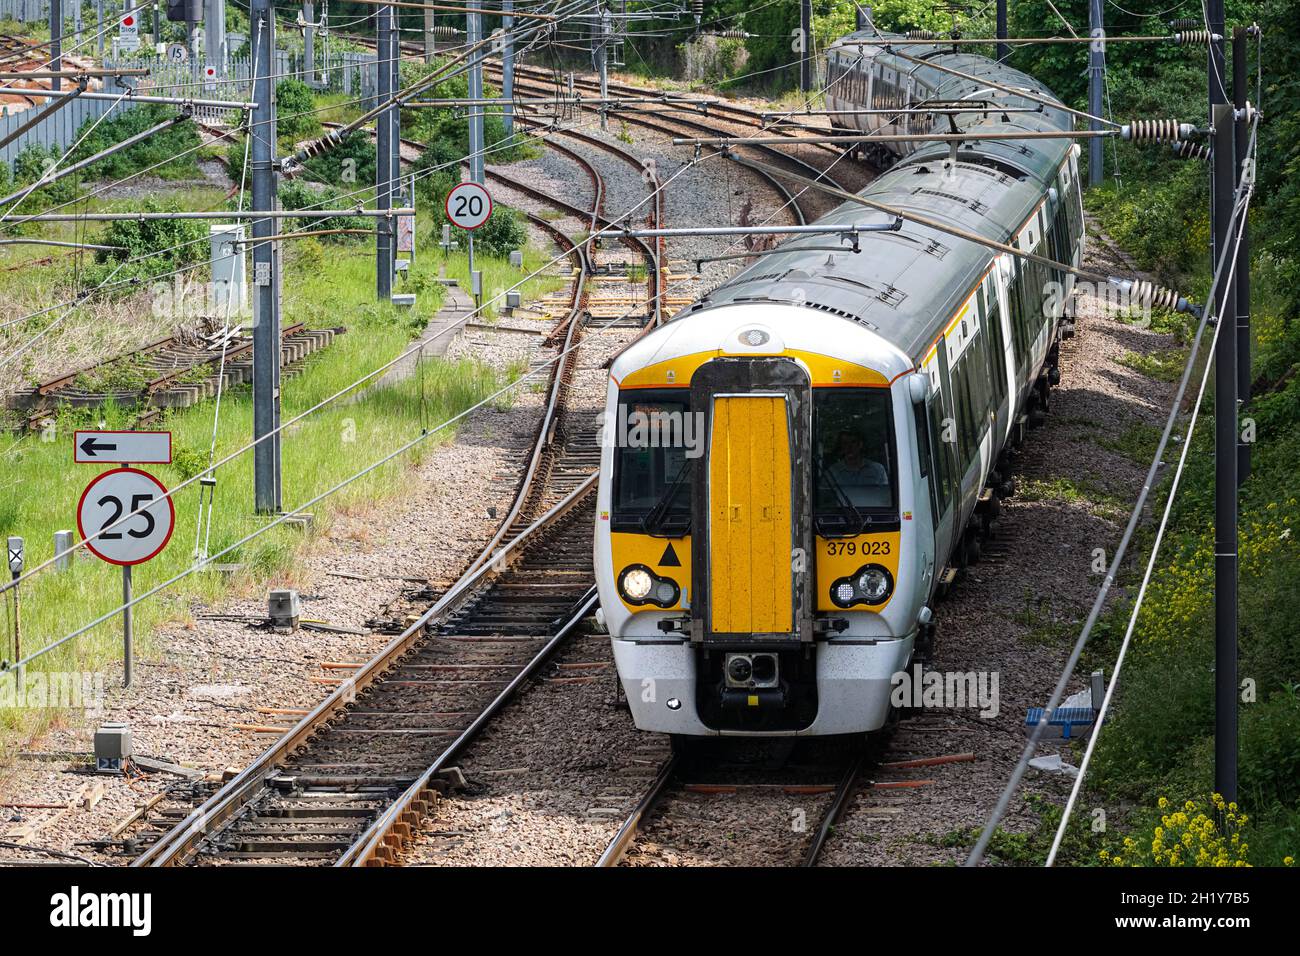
266,267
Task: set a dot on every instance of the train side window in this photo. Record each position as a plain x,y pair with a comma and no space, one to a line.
922,442
1017,316
942,484
964,409
981,386
997,350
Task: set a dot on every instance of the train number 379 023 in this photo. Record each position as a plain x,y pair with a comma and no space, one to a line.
852,547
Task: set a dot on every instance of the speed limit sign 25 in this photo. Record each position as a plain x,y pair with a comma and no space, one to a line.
469,206
111,497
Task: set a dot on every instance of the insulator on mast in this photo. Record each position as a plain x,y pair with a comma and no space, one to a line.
1186,150
1157,131
1196,38
1146,294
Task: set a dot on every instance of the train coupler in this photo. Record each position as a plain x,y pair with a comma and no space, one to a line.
768,698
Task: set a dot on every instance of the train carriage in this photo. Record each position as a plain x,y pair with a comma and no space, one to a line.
792,465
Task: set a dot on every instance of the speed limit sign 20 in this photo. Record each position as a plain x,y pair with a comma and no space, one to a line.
111,497
468,206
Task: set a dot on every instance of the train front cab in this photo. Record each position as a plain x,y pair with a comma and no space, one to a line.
766,567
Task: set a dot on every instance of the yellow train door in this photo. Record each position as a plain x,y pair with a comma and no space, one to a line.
750,532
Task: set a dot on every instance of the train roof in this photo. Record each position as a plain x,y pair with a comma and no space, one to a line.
890,284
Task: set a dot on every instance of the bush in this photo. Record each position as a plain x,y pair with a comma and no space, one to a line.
350,165
172,150
29,166
503,232
169,244
436,172
1187,835
296,194
295,106
709,59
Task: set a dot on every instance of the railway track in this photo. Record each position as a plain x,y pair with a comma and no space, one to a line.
172,372
345,785
802,208
686,793
717,802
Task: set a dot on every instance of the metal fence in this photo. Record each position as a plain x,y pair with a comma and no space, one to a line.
26,11
59,130
349,73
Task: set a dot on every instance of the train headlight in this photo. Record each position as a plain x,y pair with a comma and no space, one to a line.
636,583
639,585
870,585
874,584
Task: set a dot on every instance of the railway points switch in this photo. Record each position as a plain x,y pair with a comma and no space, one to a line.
113,747
283,608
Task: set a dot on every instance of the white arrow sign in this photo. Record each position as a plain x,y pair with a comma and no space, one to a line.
114,495
93,448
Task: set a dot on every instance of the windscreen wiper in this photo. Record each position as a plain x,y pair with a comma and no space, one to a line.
845,501
654,518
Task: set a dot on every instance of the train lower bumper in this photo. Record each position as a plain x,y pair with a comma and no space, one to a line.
853,687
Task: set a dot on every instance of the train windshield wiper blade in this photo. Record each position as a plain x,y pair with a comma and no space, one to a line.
845,502
654,518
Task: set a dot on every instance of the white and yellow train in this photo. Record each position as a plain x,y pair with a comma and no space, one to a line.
793,465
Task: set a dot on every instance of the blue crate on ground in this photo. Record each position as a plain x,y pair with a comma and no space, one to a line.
1067,721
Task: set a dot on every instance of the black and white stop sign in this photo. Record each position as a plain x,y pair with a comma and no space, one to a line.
114,495
468,206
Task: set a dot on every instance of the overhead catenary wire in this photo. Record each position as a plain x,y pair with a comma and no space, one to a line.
1104,709
282,518
1058,692
349,388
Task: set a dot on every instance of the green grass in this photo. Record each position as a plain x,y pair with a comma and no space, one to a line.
325,285
1073,492
1137,443
1164,365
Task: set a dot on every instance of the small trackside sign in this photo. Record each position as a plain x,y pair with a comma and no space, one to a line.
138,448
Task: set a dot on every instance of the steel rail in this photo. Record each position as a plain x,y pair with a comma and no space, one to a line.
230,214
842,793
182,841
627,833
378,844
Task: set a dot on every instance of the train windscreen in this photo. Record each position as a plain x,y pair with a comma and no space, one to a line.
655,442
855,467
